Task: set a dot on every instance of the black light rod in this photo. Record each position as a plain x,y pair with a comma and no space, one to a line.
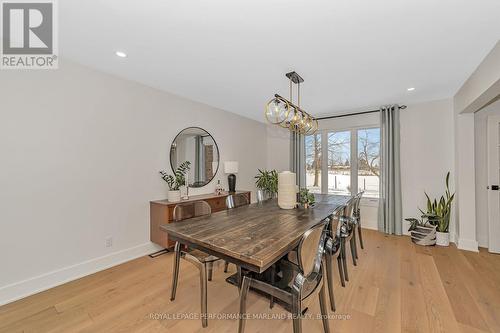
402,107
293,105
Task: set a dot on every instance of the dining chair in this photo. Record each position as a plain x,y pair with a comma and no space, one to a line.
234,201
357,216
305,279
333,250
203,261
347,235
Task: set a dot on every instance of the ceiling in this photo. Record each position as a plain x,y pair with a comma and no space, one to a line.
233,55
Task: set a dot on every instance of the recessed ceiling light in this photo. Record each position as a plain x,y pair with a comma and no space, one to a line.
410,89
121,54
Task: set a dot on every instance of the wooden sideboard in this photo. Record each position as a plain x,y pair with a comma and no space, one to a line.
161,212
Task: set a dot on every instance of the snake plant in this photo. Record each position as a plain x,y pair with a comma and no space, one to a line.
439,211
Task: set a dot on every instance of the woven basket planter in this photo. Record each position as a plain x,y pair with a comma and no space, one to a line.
425,236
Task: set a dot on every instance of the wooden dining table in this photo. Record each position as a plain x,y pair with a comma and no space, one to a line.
253,236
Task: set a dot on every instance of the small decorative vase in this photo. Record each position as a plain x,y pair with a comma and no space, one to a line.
174,196
442,238
261,196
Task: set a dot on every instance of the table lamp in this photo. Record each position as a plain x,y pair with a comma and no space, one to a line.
231,167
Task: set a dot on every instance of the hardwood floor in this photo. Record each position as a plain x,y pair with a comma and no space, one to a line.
396,286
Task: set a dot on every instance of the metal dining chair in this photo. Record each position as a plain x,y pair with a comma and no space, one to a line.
333,248
305,279
200,259
357,219
234,201
347,235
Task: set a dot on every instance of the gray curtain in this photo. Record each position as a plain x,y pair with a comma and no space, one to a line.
298,158
390,217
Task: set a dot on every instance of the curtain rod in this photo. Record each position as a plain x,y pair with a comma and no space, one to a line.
402,107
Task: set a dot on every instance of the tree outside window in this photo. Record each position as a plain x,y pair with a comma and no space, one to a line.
369,161
313,162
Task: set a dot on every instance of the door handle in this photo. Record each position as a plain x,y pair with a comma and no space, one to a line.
494,187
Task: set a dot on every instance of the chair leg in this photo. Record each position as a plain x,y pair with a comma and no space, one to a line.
324,310
239,276
226,264
296,313
344,260
341,270
203,292
329,279
273,275
175,274
355,243
210,270
360,235
353,250
243,309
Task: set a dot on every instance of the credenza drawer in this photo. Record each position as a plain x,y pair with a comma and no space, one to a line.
217,204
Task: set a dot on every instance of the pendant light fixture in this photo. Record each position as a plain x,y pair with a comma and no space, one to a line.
283,112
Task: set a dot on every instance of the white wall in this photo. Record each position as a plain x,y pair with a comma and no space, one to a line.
427,154
278,148
482,86
80,153
478,91
481,168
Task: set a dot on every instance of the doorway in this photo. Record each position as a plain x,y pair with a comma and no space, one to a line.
493,183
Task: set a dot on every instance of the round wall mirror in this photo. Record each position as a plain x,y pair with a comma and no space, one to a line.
197,146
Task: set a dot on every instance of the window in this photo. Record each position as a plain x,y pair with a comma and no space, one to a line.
352,162
369,161
339,162
313,162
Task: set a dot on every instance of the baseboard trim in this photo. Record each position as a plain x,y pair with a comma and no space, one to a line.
370,227
34,285
468,245
453,238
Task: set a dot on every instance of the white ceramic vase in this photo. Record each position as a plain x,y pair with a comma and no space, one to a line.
287,193
442,238
174,196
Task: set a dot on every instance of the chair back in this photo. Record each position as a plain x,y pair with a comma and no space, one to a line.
349,207
192,209
236,200
357,203
310,249
335,220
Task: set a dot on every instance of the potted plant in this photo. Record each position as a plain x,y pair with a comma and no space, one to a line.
439,212
306,198
422,231
435,220
176,181
267,184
